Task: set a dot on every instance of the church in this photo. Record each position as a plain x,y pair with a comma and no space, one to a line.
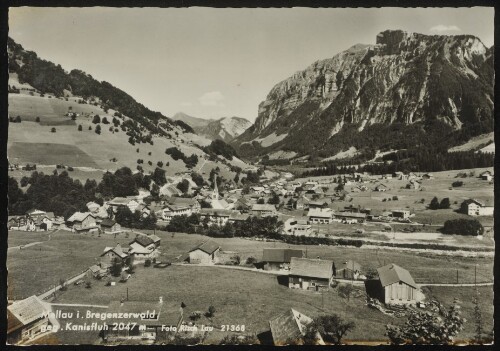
215,201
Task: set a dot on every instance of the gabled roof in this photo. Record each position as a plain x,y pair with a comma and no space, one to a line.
155,238
281,255
391,273
310,267
238,216
24,312
208,246
143,240
79,216
263,207
289,328
177,207
319,212
477,202
117,250
106,222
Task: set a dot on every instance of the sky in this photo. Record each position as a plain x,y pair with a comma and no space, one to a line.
213,63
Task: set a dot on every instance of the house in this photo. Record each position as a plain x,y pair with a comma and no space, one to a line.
43,223
144,209
236,217
110,254
477,208
397,286
289,328
403,214
97,272
348,270
204,253
310,274
320,215
109,226
302,203
27,319
413,184
172,210
118,202
317,204
487,175
92,206
193,204
81,222
263,210
278,259
351,217
380,187
149,321
212,216
143,247
297,226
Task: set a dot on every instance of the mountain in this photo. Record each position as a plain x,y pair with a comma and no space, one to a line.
408,90
70,118
226,128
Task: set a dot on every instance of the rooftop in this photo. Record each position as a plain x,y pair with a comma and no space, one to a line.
281,255
209,247
310,267
24,312
391,273
289,327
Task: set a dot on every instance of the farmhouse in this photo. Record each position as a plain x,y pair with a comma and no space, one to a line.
193,204
26,320
397,285
159,320
204,253
237,217
215,216
487,175
278,259
380,187
289,328
310,274
351,217
109,226
349,270
81,222
118,202
297,226
263,210
302,203
403,214
320,215
171,211
477,208
111,253
96,271
143,247
318,204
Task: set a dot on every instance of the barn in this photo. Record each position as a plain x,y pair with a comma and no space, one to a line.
310,274
205,253
397,286
277,259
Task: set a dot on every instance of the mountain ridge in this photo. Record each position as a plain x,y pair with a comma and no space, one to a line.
406,78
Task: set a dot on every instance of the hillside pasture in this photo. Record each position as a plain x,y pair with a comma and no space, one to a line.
49,154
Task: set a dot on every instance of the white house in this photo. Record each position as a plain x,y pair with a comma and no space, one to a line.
320,215
204,253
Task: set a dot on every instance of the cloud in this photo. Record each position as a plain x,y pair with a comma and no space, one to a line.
444,28
186,104
213,98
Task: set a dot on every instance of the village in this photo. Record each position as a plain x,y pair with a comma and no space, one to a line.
361,209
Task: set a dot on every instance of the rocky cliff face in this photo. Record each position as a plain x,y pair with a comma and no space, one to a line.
406,78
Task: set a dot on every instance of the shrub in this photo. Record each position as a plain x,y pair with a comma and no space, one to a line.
471,227
37,119
147,263
96,119
395,198
80,128
194,316
98,129
18,119
434,205
445,203
457,184
53,130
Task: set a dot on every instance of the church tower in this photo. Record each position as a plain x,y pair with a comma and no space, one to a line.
215,194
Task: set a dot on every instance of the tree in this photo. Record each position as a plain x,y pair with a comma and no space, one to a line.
332,329
346,291
116,267
18,119
445,203
183,186
80,128
463,226
96,119
90,127
261,201
98,129
37,119
457,184
434,205
53,130
436,327
274,200
24,181
211,311
105,120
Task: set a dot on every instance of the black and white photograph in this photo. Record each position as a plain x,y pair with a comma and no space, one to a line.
250,176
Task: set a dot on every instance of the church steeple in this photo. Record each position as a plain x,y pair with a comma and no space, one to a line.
215,194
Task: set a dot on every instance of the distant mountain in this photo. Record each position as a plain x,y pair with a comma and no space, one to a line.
408,90
226,128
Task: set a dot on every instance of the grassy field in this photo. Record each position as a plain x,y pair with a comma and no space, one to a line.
240,297
101,149
36,268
